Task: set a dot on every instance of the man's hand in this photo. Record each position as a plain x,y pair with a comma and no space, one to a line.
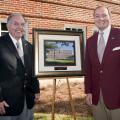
3,104
37,96
89,99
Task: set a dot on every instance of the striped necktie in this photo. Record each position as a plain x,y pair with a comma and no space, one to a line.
20,51
101,47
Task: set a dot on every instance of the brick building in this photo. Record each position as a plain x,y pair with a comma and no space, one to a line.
57,14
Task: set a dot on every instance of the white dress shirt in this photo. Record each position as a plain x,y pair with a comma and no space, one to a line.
20,50
15,41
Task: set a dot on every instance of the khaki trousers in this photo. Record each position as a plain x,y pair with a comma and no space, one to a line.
101,112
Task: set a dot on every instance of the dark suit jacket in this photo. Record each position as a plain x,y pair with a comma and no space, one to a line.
16,80
104,76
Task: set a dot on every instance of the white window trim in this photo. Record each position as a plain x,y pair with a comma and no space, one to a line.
84,29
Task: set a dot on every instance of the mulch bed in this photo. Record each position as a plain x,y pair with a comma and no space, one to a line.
62,102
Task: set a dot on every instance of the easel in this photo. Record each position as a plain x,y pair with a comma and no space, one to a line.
53,100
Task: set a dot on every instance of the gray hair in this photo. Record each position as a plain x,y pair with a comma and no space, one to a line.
9,19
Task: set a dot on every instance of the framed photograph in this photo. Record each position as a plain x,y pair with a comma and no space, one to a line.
58,53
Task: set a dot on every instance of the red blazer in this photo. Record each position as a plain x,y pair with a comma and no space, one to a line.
104,76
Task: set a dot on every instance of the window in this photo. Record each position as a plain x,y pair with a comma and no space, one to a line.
76,28
3,28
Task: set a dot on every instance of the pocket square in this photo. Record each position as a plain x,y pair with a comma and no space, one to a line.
116,48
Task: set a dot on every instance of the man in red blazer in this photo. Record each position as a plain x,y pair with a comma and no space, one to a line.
102,77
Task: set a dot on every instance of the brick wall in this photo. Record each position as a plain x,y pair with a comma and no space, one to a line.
54,14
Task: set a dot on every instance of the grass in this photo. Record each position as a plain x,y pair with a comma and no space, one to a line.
41,116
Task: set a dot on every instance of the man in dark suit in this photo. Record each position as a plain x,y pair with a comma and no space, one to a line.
102,68
18,87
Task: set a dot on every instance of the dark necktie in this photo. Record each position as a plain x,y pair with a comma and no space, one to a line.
101,47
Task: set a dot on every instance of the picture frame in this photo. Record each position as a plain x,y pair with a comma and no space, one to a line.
58,53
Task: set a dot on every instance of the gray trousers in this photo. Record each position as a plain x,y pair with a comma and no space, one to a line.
101,112
27,114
